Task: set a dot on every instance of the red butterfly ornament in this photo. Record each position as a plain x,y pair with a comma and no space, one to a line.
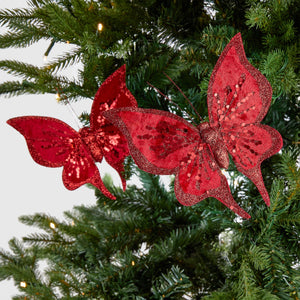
53,143
238,98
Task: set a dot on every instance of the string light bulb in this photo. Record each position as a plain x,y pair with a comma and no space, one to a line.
45,58
58,97
100,27
52,225
235,182
133,263
23,284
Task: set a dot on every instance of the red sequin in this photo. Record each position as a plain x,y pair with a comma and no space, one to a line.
239,97
53,143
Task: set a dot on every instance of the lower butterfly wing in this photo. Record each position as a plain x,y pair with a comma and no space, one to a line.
80,168
163,143
249,147
200,177
53,143
108,142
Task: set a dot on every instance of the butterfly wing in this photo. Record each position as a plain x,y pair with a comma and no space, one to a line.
239,97
157,140
80,168
52,143
236,89
113,93
163,143
249,148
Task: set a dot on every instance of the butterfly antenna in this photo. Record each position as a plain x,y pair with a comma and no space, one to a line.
185,97
166,97
65,99
73,113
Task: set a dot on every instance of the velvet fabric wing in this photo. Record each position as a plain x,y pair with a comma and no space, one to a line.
53,143
163,143
239,97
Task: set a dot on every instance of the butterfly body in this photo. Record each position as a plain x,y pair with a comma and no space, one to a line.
212,135
100,143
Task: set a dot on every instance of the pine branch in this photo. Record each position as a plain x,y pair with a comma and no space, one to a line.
172,246
175,282
16,15
246,284
22,69
20,39
278,69
217,37
258,15
65,60
46,239
57,17
258,257
42,221
15,88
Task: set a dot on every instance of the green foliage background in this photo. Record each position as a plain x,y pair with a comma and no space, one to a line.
145,245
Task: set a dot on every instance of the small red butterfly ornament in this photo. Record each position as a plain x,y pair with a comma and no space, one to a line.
238,98
53,143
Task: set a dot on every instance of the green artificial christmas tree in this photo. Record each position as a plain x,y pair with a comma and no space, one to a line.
145,244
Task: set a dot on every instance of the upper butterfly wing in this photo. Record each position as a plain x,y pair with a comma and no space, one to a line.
163,143
111,143
158,140
237,92
239,97
49,140
53,143
112,93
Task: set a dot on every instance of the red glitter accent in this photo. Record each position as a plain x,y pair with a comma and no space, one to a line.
53,143
239,97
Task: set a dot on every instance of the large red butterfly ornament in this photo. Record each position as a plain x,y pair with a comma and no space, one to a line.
238,98
53,143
